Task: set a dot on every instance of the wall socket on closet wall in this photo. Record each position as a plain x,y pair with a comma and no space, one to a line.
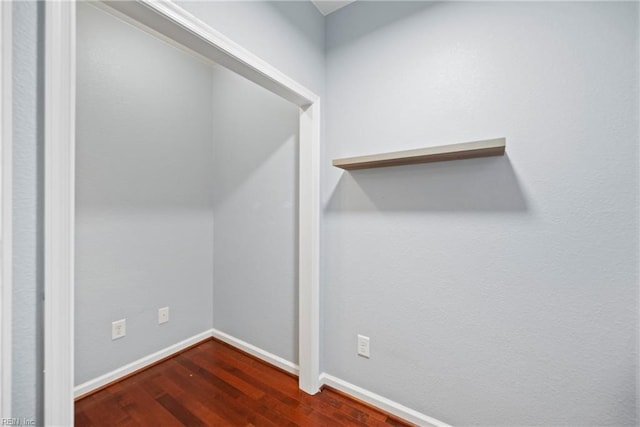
163,315
118,329
363,346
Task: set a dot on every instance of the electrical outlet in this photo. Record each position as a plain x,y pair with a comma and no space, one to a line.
118,329
163,315
363,346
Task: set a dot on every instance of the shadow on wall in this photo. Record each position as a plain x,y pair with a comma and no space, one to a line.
305,18
473,185
252,128
378,13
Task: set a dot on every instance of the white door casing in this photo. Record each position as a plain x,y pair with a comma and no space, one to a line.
6,143
178,25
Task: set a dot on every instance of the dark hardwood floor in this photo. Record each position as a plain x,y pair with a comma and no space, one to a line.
214,384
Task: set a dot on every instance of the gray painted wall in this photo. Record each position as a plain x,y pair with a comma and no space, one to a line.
288,35
538,322
291,37
498,291
255,286
27,218
141,200
144,222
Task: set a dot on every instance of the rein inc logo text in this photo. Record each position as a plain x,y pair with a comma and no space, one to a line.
17,422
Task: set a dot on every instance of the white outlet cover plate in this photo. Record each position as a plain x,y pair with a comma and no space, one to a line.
118,329
163,315
363,346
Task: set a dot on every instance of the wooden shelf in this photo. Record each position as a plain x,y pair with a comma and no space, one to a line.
467,150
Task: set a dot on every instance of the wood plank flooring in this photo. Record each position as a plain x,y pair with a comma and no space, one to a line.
214,384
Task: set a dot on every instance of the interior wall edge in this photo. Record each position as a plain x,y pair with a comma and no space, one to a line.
325,379
120,373
261,354
144,362
6,152
380,402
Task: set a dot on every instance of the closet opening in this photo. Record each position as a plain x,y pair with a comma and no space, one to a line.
192,185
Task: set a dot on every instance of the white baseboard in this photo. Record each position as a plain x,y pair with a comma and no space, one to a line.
353,390
270,358
381,402
123,371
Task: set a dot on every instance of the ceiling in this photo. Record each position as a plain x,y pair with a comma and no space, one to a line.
328,6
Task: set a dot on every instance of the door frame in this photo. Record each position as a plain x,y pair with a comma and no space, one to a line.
173,22
6,205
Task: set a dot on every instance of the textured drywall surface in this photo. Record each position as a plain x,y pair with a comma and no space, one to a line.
255,287
27,263
288,35
498,291
144,222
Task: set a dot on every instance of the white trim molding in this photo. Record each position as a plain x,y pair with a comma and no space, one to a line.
172,22
381,402
6,161
309,249
175,23
261,354
59,171
352,390
116,374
